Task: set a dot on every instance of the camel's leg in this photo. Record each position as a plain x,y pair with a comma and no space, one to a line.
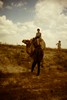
42,61
38,63
33,65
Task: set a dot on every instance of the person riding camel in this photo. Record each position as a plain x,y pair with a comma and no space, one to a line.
38,52
38,34
41,43
35,48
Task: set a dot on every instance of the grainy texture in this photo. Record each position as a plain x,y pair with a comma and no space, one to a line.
18,83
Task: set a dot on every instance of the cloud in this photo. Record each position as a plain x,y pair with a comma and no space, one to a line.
14,32
1,4
64,11
7,26
8,31
52,22
9,7
16,4
19,4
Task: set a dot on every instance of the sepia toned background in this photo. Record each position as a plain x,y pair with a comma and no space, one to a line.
19,19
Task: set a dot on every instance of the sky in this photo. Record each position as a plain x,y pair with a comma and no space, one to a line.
19,19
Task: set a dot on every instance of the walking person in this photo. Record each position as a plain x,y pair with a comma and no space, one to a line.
59,45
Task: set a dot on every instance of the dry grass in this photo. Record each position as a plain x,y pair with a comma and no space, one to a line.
18,83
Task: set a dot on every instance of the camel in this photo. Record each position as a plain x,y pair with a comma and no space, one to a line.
30,47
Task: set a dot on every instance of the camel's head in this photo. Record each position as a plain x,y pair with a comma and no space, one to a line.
26,42
23,41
